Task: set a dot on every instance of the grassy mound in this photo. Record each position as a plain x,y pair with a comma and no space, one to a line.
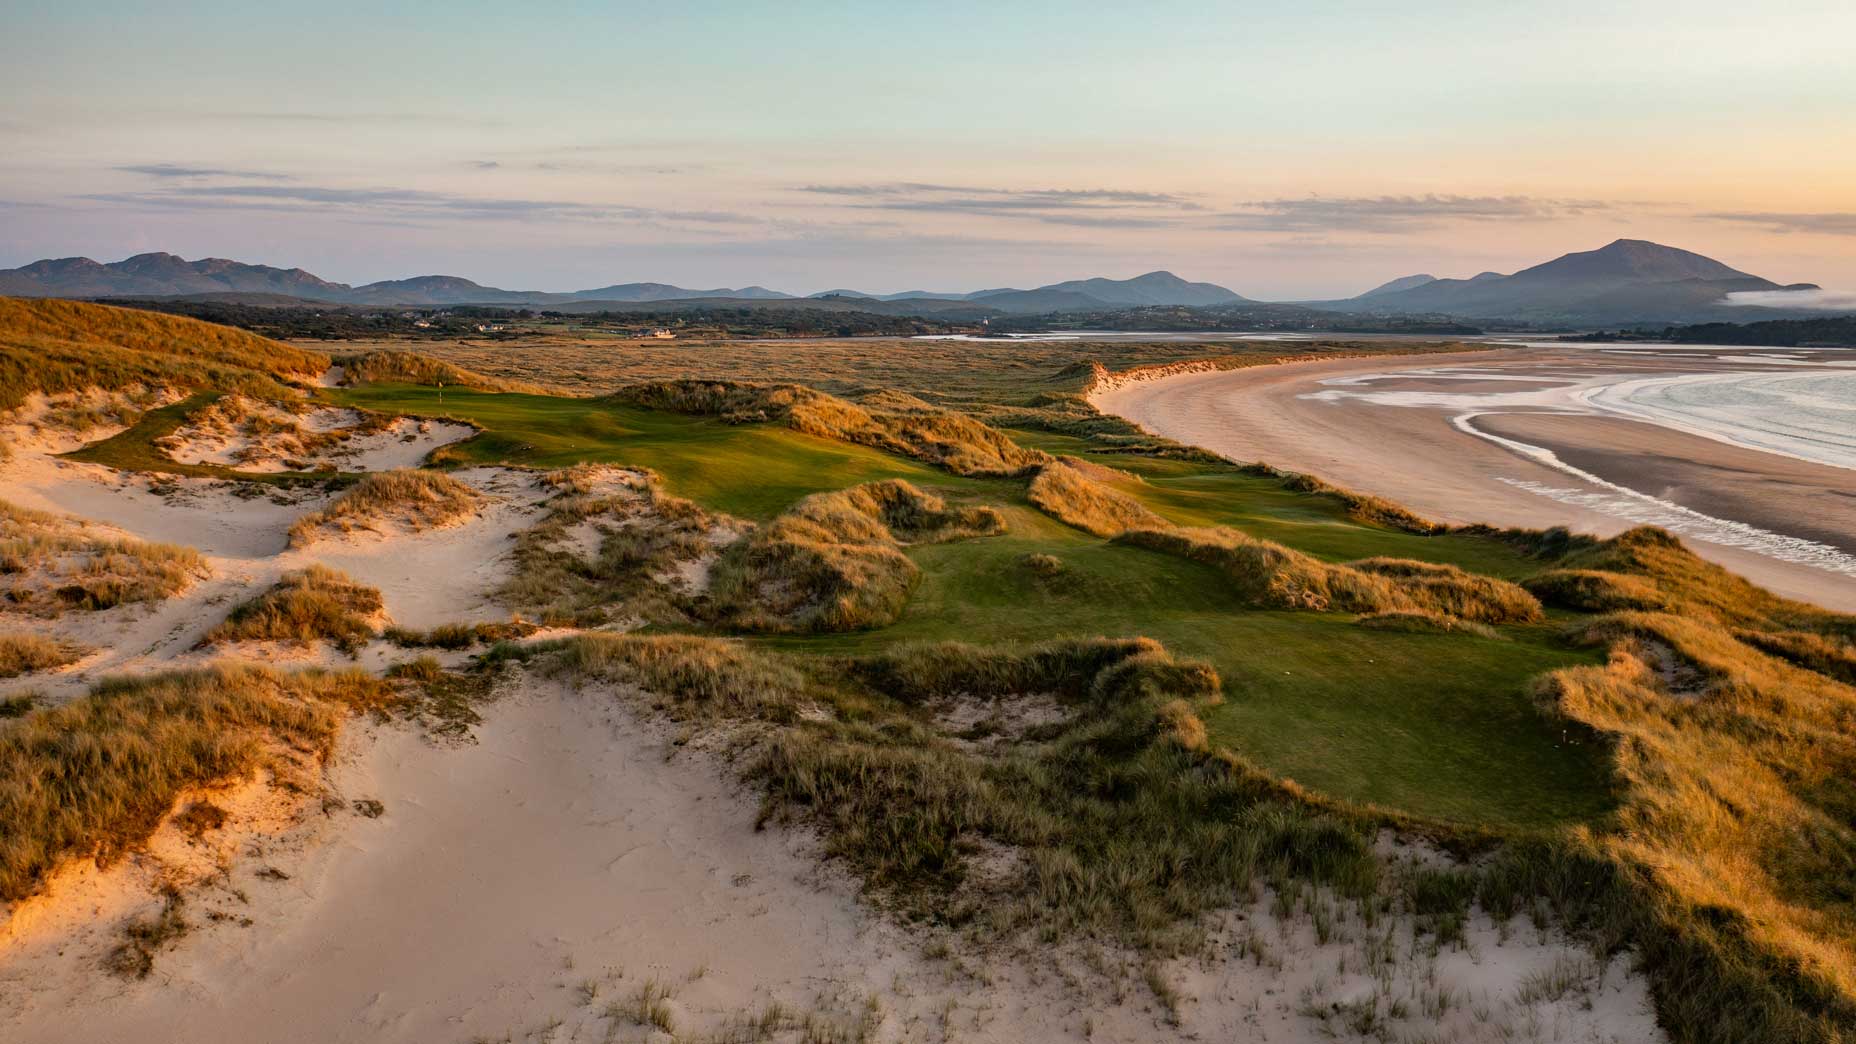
395,367
1449,590
1594,590
641,535
1270,575
1063,491
1830,655
950,440
22,653
1423,621
834,562
57,347
49,563
1683,582
420,499
94,777
305,606
1739,814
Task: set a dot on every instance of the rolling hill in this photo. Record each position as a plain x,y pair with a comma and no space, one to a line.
165,275
1630,280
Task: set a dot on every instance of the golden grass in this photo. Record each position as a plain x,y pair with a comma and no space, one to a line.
1684,582
58,347
50,563
94,777
834,562
399,367
22,653
1595,590
1828,655
419,499
305,606
1440,588
1065,492
1424,621
643,534
950,440
1270,575
1739,804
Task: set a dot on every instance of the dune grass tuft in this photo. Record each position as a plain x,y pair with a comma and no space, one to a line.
640,534
1595,590
389,366
1066,493
1441,588
49,563
21,653
834,562
1424,621
305,606
95,776
419,499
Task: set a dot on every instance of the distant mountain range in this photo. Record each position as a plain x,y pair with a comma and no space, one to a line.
165,275
1628,281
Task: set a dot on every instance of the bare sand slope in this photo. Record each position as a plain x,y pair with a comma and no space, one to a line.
1418,458
534,885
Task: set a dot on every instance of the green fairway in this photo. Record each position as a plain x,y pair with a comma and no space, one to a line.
1438,726
1435,725
751,470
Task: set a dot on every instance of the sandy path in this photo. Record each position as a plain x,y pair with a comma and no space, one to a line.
1417,458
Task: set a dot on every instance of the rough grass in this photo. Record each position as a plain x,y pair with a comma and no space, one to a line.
834,562
50,563
400,367
1683,582
1439,587
947,439
305,606
1829,655
1122,825
1424,621
93,778
419,499
1267,574
1739,813
642,536
21,653
1594,590
58,347
1064,491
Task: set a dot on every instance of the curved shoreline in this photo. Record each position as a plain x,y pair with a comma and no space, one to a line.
1416,454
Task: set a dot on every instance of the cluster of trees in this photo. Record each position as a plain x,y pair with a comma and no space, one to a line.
1831,332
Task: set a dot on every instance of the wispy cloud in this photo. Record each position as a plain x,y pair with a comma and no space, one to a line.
175,171
404,204
1830,224
1088,208
1393,214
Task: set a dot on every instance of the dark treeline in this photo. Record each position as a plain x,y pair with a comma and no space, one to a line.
1835,332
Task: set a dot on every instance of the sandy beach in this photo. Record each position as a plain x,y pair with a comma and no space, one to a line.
1510,437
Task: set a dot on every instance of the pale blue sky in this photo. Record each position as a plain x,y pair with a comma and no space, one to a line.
1284,150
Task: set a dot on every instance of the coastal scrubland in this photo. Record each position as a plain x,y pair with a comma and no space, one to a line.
1032,673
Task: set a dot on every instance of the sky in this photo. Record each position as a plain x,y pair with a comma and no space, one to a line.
1288,151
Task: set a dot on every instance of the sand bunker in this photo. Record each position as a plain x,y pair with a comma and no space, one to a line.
254,436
